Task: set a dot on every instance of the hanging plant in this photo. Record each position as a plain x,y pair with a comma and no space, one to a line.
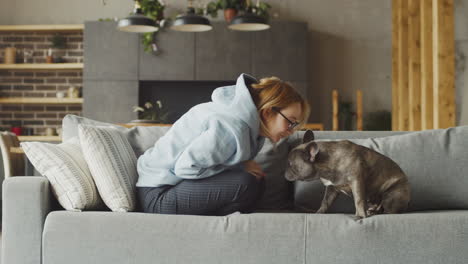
258,8
153,9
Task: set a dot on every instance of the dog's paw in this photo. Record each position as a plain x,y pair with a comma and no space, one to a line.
374,209
357,217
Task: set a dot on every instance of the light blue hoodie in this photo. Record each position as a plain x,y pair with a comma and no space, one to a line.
208,139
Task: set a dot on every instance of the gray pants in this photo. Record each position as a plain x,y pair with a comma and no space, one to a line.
221,194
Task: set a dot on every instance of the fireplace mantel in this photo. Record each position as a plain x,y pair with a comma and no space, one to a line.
115,62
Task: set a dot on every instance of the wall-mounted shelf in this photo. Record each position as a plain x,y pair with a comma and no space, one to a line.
40,138
42,66
44,28
40,100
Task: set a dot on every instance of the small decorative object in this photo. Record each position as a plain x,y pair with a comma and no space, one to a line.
60,94
151,113
49,58
28,55
50,131
16,128
73,92
10,55
59,131
57,42
28,131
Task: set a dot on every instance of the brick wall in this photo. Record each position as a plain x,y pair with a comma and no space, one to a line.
38,83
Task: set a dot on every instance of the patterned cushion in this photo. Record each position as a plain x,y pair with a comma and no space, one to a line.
66,169
112,163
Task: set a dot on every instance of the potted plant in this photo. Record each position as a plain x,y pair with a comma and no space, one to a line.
230,7
57,42
260,9
150,113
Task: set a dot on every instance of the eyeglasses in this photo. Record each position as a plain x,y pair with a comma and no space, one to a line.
291,124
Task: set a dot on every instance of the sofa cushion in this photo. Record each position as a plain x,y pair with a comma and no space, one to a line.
66,169
141,138
418,237
433,160
104,237
112,163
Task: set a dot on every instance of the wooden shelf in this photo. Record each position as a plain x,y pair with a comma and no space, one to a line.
40,100
43,28
42,66
40,138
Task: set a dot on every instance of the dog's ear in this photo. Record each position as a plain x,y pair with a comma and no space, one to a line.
308,136
312,151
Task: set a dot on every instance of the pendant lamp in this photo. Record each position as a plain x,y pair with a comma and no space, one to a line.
137,22
191,22
249,21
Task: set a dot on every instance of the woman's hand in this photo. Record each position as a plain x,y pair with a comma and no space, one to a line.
253,168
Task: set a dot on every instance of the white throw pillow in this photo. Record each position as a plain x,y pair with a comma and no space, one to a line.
141,138
112,163
66,169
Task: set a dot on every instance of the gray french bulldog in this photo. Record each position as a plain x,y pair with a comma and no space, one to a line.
377,183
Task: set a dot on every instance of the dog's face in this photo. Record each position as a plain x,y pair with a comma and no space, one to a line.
301,159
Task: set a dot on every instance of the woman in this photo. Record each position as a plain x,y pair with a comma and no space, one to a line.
203,165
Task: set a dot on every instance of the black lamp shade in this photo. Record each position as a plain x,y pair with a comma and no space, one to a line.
249,22
191,23
137,23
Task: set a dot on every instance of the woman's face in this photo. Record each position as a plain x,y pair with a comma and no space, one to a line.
279,126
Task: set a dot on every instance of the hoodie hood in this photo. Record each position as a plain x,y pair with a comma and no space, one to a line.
237,97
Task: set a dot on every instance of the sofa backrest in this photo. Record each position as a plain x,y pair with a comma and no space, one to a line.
435,162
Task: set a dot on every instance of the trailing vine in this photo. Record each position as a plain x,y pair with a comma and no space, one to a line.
153,9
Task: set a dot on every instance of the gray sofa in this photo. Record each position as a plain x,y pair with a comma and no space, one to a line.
36,230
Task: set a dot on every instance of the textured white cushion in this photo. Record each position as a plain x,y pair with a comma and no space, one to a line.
112,163
141,138
66,169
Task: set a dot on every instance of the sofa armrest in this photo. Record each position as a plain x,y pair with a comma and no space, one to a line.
26,203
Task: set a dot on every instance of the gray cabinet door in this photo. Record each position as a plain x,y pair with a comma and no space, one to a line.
110,101
222,54
109,54
281,51
175,60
